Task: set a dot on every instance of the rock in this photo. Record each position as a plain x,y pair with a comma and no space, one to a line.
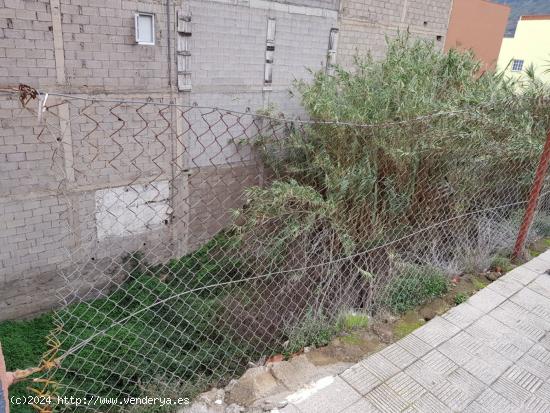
384,332
427,313
493,275
256,383
197,407
230,385
212,397
272,403
234,408
295,372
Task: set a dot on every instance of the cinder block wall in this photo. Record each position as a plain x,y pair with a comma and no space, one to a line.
58,244
365,24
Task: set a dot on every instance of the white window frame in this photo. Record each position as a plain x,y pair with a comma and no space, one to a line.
513,67
137,16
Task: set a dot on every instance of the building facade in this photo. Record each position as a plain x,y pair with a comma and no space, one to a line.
479,26
529,47
240,55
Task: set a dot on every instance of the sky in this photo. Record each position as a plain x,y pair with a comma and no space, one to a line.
522,8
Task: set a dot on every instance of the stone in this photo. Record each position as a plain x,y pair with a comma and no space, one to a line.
230,385
212,397
234,408
276,358
255,383
427,313
295,372
493,275
197,407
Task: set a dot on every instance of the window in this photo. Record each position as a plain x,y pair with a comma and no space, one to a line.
145,28
517,65
269,52
332,48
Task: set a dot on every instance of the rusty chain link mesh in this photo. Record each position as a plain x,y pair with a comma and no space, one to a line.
199,239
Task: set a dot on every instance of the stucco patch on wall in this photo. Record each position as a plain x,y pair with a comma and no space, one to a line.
131,210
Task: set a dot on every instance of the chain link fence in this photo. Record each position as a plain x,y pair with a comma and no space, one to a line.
198,239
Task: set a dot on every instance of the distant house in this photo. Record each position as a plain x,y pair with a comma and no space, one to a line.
478,25
529,46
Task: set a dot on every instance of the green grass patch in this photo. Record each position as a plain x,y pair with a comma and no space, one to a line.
460,298
23,344
414,285
352,339
404,327
353,321
478,284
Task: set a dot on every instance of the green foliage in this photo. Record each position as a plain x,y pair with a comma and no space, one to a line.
213,263
23,344
344,189
314,330
460,298
413,286
353,339
159,327
541,224
405,327
350,321
503,263
478,285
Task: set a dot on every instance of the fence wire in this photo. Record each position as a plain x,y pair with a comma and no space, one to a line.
200,239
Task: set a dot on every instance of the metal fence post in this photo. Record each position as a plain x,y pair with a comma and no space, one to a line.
533,199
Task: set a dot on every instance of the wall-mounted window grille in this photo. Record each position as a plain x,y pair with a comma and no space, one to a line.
517,65
183,51
145,28
269,51
332,49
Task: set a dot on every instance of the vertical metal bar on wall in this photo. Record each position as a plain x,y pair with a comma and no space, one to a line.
533,199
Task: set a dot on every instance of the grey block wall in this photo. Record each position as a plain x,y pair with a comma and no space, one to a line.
365,24
53,240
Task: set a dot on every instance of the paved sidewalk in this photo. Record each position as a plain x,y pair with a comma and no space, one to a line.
490,354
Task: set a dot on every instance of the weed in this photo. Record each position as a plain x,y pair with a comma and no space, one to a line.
414,285
478,284
403,327
352,321
502,264
460,298
352,339
314,330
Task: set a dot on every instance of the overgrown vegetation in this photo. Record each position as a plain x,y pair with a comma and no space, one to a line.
437,182
361,218
162,325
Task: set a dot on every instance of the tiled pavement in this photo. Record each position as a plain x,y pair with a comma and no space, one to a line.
490,354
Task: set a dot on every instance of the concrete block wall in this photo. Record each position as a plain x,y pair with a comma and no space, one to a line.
87,48
365,25
26,43
100,49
